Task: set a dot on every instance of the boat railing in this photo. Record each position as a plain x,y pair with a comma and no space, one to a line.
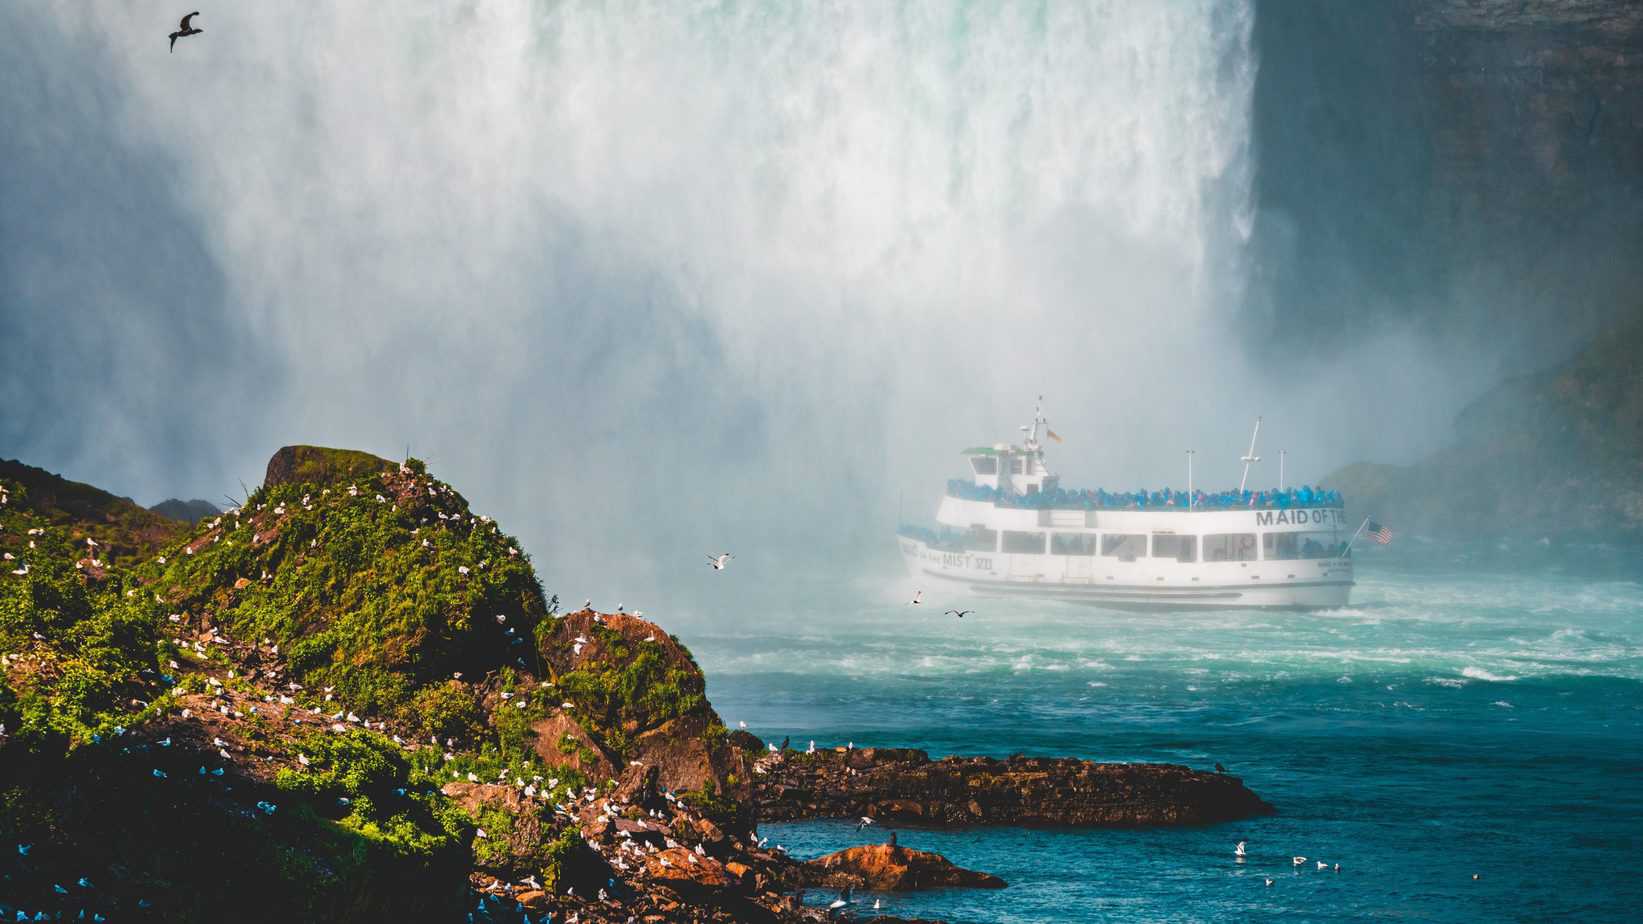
1167,499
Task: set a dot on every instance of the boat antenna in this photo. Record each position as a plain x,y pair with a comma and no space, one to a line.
1038,419
1250,456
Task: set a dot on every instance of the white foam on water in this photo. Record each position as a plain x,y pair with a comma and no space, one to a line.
1478,673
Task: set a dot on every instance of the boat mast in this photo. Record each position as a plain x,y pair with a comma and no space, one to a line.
1250,456
1190,454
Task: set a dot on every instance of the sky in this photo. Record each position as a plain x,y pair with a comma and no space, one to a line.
654,279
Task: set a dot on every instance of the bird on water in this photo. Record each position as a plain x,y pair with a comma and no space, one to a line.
185,29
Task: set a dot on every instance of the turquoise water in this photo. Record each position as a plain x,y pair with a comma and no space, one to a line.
1475,711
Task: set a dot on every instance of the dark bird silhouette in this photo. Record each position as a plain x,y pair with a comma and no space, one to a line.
892,840
185,30
959,613
1220,769
785,742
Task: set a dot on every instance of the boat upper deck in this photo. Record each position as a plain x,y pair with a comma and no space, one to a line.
1054,497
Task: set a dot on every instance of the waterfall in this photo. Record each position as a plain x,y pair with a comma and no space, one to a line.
770,244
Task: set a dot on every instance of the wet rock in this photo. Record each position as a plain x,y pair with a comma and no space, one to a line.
893,869
906,785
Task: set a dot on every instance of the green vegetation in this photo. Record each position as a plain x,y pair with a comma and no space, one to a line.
124,531
374,586
74,652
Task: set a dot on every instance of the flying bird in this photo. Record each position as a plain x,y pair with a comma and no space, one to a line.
1238,851
959,613
918,597
865,821
186,29
718,562
1298,861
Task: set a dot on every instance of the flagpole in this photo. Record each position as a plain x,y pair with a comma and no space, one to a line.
1354,538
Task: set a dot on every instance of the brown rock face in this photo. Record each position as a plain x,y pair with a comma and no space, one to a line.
893,869
906,785
679,751
562,742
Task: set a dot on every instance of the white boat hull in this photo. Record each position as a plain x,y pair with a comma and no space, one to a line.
1099,580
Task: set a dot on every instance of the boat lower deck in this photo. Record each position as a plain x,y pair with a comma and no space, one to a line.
1143,583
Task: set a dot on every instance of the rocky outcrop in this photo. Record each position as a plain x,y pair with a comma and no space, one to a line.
882,867
904,785
639,696
1551,454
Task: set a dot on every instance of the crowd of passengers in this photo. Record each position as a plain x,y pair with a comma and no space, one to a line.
1059,498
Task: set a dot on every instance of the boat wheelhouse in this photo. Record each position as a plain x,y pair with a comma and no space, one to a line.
1011,528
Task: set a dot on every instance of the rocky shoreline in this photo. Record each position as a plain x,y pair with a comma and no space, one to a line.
350,699
906,786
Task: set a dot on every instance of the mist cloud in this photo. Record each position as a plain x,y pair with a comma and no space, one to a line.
645,280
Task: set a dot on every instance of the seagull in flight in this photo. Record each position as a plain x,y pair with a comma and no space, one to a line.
865,821
719,561
1298,861
959,613
1238,851
186,29
918,597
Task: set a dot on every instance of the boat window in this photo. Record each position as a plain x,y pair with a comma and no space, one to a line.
984,465
1018,466
1126,546
1023,543
1072,543
1290,546
1229,547
981,539
1180,548
1281,546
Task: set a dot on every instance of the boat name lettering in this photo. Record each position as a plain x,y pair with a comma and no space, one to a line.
1299,517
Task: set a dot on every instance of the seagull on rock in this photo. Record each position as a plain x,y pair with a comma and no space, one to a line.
185,29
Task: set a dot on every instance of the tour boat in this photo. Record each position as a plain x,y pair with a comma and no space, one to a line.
1011,528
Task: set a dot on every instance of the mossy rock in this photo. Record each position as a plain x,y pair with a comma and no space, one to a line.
322,465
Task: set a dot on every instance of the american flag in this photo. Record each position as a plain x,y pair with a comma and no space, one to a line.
1379,533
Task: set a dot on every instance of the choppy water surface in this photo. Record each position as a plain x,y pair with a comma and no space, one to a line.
1475,711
